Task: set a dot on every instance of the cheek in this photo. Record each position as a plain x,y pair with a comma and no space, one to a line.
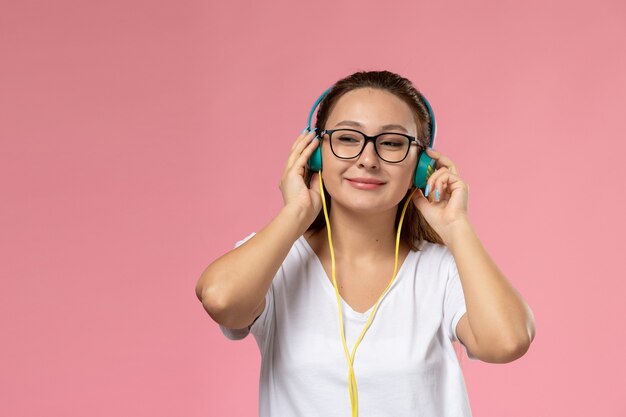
326,153
327,156
331,163
331,168
408,178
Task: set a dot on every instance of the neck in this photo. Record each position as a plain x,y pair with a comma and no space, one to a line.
363,236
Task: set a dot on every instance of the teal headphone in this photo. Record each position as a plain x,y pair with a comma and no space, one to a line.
425,164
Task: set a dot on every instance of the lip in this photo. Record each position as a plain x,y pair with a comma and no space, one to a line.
366,180
365,183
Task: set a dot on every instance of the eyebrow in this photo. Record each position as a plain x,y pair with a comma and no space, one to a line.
385,127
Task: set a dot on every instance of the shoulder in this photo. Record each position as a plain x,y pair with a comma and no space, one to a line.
313,239
436,260
433,250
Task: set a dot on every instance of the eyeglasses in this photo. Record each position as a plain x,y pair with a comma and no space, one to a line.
349,144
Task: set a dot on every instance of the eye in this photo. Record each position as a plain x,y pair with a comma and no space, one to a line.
392,144
348,138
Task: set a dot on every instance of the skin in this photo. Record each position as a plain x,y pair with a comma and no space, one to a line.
498,326
362,221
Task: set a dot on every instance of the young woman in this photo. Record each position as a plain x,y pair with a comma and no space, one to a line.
397,272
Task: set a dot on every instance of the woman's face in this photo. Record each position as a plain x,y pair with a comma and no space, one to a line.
368,110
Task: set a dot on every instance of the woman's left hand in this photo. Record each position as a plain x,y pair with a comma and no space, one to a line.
453,194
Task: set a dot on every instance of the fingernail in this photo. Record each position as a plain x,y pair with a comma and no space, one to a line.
437,194
304,131
314,129
316,137
427,187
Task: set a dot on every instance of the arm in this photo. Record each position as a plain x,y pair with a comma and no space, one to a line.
499,325
232,289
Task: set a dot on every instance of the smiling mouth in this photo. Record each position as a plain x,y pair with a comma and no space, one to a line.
366,181
365,184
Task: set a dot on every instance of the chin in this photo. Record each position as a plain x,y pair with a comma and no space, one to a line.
368,204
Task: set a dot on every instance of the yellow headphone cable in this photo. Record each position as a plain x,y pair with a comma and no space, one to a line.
354,399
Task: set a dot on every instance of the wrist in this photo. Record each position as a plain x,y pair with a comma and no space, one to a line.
296,217
456,231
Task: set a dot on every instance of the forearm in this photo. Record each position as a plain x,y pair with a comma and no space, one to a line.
497,313
235,284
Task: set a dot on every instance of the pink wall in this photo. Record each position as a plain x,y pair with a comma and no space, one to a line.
142,139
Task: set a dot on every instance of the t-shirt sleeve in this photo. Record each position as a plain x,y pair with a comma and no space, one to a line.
260,323
454,302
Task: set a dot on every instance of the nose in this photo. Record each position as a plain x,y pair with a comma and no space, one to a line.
369,158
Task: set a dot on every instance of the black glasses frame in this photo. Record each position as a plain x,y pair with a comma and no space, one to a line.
369,139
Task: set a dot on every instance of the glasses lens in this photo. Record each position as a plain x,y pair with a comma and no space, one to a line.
392,147
346,143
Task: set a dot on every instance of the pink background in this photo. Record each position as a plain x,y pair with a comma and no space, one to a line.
142,139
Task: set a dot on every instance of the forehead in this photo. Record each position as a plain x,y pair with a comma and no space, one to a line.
372,108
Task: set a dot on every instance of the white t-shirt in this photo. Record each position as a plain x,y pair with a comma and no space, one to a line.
405,365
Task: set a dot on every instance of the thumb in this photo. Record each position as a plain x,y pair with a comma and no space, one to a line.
314,185
314,192
419,200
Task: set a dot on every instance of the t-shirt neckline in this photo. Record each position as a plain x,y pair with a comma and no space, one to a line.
330,288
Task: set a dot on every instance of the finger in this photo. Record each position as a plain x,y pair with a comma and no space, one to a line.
299,148
314,182
302,136
299,137
300,162
444,183
441,183
433,178
437,183
302,143
442,160
420,200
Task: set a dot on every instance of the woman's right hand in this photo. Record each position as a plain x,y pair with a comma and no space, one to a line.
306,201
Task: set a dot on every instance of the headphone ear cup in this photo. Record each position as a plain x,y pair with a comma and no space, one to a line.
315,160
425,167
